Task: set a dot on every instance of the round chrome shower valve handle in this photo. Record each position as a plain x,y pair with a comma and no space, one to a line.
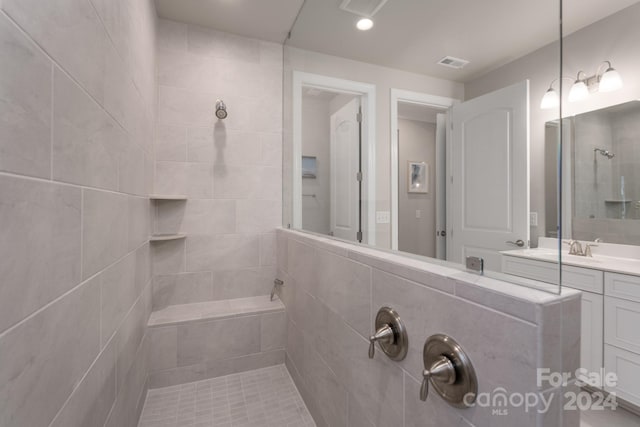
390,334
449,370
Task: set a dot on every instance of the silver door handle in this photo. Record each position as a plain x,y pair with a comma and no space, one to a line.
519,243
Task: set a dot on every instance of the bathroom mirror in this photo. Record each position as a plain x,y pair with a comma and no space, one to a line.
601,134
413,89
602,191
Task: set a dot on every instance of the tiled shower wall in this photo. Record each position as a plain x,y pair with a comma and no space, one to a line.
77,106
332,293
229,169
597,178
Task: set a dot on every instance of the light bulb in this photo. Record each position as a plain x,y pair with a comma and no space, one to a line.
364,24
610,81
579,91
550,100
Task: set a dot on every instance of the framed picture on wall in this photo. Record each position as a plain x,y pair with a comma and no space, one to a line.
418,177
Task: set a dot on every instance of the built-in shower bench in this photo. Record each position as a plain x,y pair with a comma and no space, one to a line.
196,341
212,310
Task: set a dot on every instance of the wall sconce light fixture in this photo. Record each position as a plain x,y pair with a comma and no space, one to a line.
604,80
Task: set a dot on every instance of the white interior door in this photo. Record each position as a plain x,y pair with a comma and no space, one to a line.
441,179
345,164
489,182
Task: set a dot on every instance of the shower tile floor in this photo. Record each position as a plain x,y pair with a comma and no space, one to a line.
262,398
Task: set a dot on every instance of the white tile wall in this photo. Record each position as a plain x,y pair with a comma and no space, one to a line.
230,169
333,291
77,101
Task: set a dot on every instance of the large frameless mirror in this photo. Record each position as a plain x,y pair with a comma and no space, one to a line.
425,134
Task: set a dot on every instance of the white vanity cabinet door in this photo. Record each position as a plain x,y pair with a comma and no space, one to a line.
627,367
622,286
622,324
591,332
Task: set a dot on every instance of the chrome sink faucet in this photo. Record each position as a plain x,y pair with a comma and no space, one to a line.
575,248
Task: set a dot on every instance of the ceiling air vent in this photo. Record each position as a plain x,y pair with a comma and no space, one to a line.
451,62
362,7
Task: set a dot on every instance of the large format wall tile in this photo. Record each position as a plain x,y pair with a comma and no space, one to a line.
196,217
171,143
345,287
45,356
70,31
216,252
91,401
327,295
218,339
246,282
87,143
130,335
500,346
182,289
105,234
77,106
39,245
121,284
229,169
25,105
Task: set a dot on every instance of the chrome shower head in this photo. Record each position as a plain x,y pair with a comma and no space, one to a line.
221,109
608,154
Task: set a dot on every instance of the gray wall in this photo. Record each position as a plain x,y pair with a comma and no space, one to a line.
416,235
77,98
333,291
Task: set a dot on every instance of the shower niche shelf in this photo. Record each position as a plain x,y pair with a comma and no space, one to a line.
162,197
166,237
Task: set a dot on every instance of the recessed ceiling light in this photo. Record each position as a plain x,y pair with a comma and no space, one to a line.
364,24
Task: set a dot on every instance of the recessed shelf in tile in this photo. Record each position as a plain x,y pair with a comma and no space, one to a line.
166,237
167,197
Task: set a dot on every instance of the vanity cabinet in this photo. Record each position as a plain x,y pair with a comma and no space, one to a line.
610,330
622,334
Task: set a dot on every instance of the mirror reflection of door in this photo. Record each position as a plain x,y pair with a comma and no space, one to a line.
489,186
331,137
477,200
345,152
420,136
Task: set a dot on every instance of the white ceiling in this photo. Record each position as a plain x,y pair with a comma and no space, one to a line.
410,35
261,19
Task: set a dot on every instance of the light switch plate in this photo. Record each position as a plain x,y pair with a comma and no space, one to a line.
383,217
533,219
418,213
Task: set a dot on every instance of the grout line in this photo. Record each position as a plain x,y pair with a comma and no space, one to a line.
70,184
51,129
82,232
67,293
79,383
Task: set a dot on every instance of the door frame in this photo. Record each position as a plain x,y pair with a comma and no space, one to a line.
367,93
411,97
